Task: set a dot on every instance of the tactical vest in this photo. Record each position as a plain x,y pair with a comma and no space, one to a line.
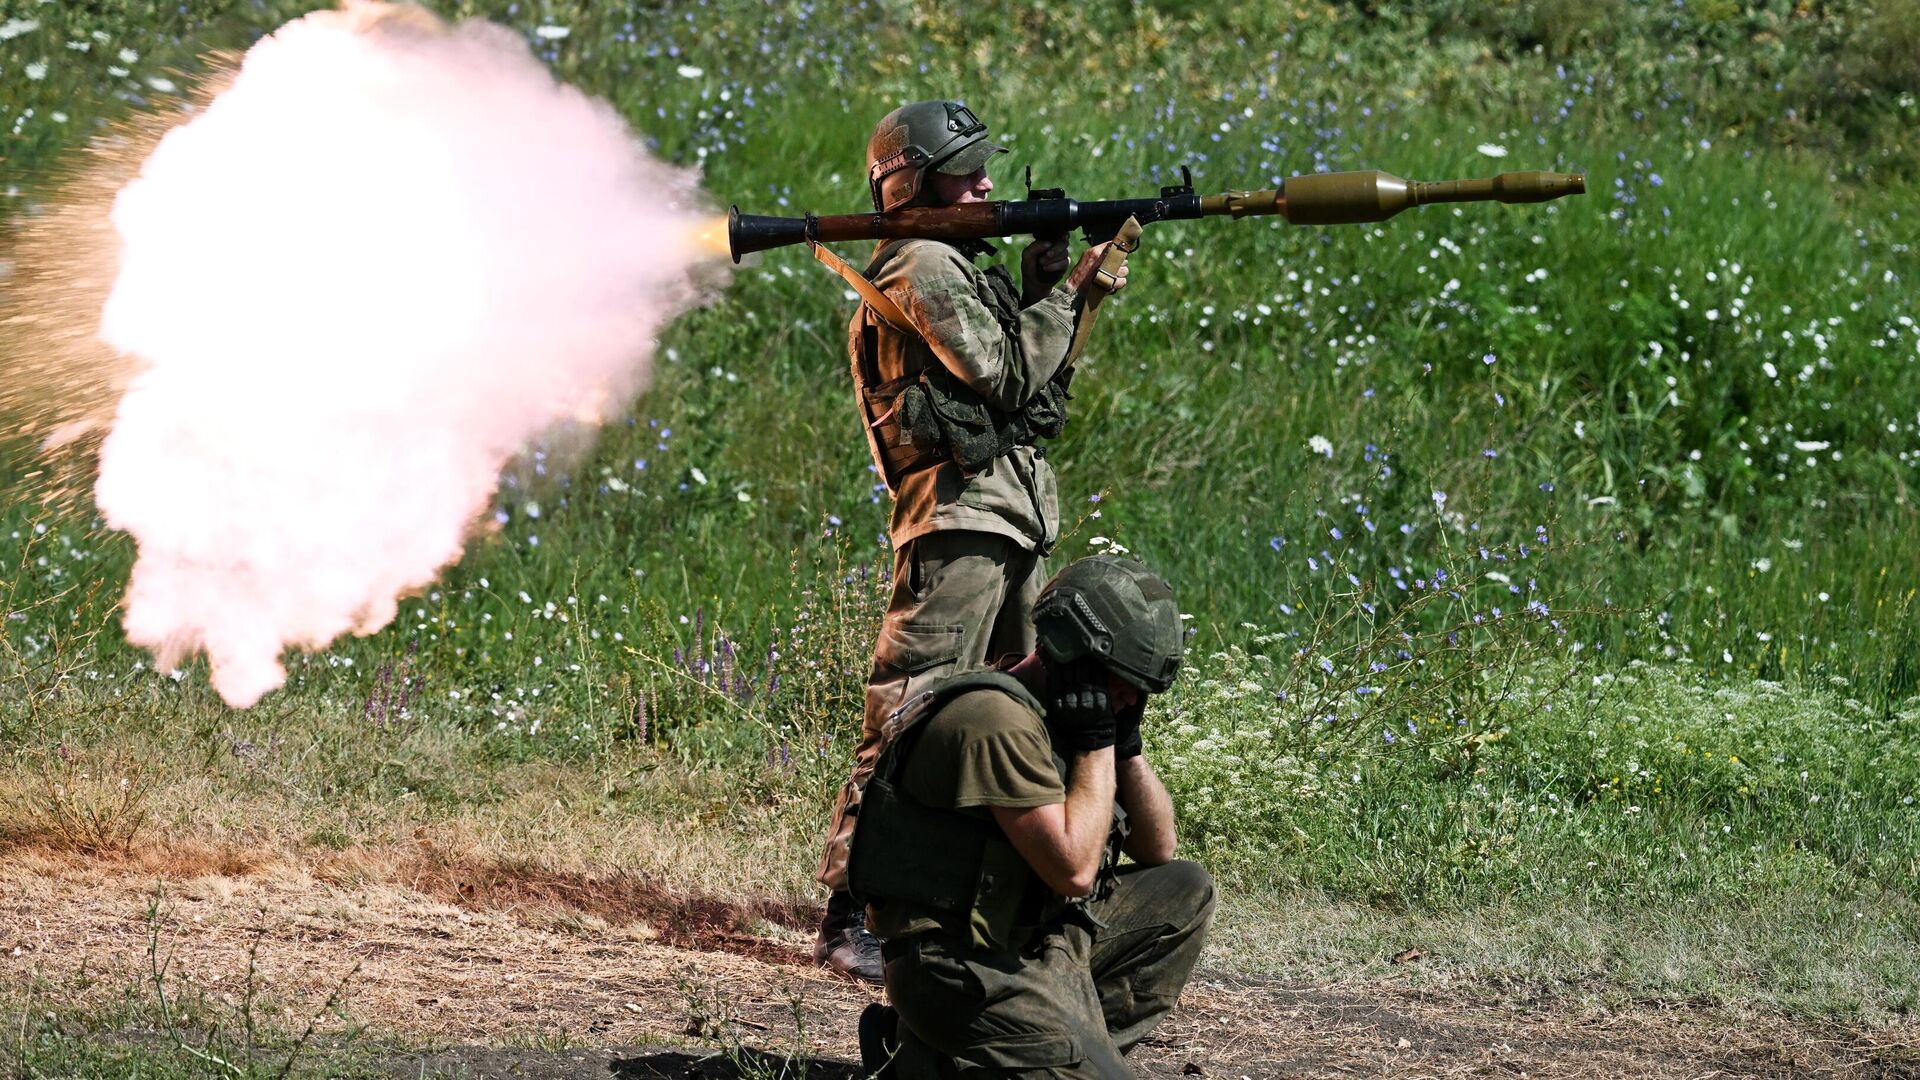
960,869
925,416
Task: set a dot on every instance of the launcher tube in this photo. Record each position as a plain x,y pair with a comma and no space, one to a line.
1312,199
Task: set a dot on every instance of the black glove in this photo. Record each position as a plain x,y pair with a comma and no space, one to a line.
1080,713
1126,731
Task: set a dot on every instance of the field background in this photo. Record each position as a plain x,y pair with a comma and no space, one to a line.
1552,568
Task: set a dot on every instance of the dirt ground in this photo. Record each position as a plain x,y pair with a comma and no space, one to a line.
508,972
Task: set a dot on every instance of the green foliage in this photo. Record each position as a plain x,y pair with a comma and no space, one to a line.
1672,422
1606,788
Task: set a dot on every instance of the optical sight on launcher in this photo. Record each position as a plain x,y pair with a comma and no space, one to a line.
1341,198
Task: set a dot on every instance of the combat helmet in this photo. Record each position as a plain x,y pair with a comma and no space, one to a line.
941,135
1116,611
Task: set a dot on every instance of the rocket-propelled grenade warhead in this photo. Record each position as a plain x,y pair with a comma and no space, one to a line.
1352,197
1345,198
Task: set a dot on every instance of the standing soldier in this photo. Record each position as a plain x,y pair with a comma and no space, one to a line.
959,373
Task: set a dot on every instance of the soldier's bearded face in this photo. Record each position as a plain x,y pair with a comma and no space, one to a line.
954,190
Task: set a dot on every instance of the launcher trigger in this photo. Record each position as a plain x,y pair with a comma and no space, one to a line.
1174,191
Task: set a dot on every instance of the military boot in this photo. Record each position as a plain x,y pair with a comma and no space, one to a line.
879,1041
844,943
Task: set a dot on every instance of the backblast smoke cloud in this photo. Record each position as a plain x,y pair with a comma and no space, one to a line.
387,256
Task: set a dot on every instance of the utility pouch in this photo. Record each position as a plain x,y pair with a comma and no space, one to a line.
899,428
972,432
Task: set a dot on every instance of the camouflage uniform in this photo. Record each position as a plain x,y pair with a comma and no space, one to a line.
968,550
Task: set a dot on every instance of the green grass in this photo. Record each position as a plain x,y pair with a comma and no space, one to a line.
1682,413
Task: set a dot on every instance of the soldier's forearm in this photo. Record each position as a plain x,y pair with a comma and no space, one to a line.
1090,792
1152,838
1065,841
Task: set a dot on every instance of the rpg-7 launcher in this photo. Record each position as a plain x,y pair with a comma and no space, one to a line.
1312,199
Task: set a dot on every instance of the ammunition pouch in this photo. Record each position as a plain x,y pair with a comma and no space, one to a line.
926,417
942,413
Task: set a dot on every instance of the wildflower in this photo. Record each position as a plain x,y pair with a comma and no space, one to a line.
688,71
1492,150
552,33
13,28
37,70
1319,445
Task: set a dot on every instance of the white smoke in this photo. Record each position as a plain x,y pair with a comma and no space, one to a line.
384,259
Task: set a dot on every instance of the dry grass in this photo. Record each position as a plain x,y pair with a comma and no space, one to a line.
445,971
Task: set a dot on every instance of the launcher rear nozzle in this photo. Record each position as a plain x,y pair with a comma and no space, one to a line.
1352,197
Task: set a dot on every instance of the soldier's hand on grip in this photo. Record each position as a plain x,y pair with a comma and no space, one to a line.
1042,265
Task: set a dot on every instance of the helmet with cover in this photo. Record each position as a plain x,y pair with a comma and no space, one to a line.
1117,612
943,136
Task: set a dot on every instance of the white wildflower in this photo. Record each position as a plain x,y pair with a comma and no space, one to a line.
688,71
1808,445
163,85
1492,150
13,28
552,33
1319,445
37,70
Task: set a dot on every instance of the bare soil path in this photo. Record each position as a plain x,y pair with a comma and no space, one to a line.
514,973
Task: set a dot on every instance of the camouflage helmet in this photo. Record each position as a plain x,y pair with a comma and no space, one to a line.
941,135
1116,611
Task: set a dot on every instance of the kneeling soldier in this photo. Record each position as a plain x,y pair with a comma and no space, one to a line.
988,840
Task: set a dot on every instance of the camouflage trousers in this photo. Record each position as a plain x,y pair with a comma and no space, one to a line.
1070,1003
961,600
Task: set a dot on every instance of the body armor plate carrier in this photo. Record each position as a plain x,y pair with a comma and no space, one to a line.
927,416
960,869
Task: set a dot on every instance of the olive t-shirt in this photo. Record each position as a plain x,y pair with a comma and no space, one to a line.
982,749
